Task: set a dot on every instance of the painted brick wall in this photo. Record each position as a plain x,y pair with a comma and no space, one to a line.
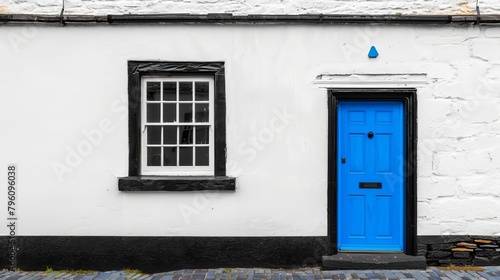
458,118
249,6
80,72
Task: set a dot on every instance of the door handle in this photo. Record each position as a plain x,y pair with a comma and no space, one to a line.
342,160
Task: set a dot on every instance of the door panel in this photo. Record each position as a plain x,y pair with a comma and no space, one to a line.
370,175
356,151
382,216
383,155
356,215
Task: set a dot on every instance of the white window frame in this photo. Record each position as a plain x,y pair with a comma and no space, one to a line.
177,170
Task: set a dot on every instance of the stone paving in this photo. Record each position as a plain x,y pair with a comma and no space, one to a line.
492,272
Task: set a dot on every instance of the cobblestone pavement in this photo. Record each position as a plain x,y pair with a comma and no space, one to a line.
492,272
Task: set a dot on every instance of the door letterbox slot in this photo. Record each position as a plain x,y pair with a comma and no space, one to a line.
370,185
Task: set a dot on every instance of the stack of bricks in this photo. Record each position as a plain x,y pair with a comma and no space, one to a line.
460,250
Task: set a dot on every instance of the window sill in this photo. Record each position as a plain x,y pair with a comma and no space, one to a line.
176,184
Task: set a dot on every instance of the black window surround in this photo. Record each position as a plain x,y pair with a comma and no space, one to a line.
136,182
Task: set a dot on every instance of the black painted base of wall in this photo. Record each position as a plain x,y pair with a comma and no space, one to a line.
474,250
157,254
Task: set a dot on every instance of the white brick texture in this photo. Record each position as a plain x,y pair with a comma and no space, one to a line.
102,7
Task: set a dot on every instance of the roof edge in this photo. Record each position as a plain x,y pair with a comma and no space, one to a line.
227,18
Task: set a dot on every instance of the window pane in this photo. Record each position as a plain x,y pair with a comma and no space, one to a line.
202,133
154,156
201,112
201,91
153,113
153,91
169,91
186,112
169,112
201,156
185,135
185,91
170,135
185,156
154,134
170,156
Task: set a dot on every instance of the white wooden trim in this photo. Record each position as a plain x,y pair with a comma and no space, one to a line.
177,170
370,80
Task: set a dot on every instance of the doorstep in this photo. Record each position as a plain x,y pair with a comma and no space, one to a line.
349,261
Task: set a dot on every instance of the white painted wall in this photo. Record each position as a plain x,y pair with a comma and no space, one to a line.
102,7
60,81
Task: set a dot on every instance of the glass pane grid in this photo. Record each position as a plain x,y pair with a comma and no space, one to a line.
180,145
184,112
190,116
189,154
177,102
179,124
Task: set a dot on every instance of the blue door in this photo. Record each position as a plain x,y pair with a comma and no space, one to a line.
370,176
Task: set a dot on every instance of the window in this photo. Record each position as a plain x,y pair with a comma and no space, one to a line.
177,126
177,137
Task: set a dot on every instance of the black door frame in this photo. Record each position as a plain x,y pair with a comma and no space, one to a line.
409,98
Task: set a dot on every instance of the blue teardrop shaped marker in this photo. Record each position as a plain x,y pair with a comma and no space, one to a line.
373,53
